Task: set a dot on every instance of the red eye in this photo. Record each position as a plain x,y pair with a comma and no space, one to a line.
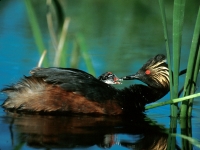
147,72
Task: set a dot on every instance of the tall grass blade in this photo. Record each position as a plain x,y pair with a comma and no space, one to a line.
162,8
59,51
63,58
192,69
55,7
36,30
196,72
178,17
176,100
42,59
19,146
190,139
75,55
164,22
171,142
185,125
55,20
85,54
51,26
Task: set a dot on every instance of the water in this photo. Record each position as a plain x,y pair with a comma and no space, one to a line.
120,36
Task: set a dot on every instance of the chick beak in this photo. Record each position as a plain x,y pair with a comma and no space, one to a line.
117,80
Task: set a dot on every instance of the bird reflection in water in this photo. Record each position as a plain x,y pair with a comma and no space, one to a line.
83,131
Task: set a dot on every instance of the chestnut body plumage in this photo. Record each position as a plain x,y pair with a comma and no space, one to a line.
66,90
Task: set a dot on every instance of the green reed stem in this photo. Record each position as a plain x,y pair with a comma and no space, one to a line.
75,55
171,141
190,139
85,54
19,146
63,58
176,100
60,48
51,29
185,125
178,17
194,79
164,22
36,30
42,58
192,70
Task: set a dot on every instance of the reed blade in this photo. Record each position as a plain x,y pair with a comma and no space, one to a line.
166,38
85,54
176,100
192,69
178,17
60,49
36,30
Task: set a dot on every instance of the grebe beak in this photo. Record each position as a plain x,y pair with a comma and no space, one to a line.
131,77
118,81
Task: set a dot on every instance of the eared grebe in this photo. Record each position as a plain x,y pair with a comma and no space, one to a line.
59,90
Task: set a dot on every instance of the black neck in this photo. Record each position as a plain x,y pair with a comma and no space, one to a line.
134,98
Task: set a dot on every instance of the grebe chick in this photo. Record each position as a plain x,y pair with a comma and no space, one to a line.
110,78
67,90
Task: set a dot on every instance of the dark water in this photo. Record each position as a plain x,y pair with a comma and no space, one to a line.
120,36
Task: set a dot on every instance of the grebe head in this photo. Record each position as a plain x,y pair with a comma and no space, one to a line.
154,73
110,78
